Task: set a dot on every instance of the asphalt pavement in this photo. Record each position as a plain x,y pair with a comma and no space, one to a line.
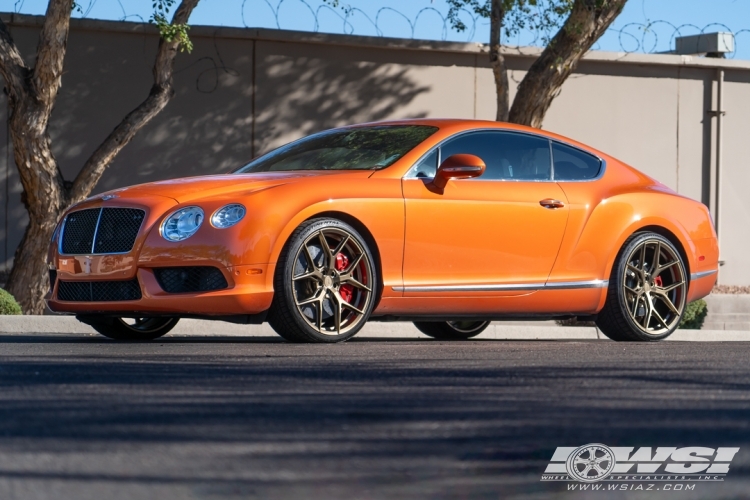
253,417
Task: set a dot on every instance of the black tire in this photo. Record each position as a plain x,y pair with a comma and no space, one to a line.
302,275
139,329
452,330
619,319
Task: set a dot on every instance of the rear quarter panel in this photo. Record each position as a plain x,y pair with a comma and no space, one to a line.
606,212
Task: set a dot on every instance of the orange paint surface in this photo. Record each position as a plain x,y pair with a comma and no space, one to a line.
475,233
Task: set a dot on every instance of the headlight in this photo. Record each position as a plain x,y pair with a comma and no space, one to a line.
182,224
228,216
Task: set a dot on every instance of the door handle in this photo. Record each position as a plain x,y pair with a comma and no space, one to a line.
552,204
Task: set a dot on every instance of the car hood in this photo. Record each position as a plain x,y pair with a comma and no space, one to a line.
188,189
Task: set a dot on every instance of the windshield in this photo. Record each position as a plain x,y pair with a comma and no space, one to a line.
365,148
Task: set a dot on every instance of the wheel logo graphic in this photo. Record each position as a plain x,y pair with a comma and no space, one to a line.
590,463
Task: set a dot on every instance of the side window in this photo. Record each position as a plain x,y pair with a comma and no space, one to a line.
508,156
572,164
426,167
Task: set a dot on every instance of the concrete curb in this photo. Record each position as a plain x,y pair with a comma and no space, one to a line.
497,331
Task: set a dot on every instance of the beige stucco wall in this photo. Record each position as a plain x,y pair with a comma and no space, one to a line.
242,92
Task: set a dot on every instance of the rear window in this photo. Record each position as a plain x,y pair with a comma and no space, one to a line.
572,164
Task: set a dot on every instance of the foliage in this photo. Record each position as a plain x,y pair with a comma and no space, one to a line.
538,16
8,304
167,30
695,314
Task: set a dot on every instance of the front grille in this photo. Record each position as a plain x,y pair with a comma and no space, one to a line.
190,279
52,278
101,230
98,291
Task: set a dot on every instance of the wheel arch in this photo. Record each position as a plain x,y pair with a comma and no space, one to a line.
356,224
673,239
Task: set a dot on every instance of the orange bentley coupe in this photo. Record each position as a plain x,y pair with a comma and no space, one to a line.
450,224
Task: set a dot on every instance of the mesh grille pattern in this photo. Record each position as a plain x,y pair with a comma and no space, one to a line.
98,291
78,234
116,233
118,229
190,279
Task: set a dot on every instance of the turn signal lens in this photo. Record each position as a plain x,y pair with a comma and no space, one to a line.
228,216
182,224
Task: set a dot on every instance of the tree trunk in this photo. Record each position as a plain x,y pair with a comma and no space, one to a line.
497,60
31,97
588,20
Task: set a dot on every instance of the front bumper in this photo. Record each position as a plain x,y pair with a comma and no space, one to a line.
246,293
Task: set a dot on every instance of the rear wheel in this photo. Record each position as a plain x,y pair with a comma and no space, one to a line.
131,328
325,284
647,291
452,330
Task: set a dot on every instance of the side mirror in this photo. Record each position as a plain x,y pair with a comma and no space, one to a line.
458,167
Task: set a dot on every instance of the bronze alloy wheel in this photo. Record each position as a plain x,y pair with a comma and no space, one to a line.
647,291
325,283
331,282
655,287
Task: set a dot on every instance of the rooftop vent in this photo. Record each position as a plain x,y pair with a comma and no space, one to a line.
709,44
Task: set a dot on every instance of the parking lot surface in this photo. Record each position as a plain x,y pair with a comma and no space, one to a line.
254,417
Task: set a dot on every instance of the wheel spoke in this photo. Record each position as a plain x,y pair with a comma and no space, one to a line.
649,309
337,312
324,245
637,271
643,258
657,255
309,257
635,306
663,297
671,287
309,274
665,267
352,281
632,290
659,318
349,306
319,315
340,246
310,300
353,264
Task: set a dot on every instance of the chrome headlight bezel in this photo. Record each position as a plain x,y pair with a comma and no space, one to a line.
220,220
164,230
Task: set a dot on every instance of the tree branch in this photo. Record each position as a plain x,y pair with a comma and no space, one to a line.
497,60
160,95
588,20
12,66
50,54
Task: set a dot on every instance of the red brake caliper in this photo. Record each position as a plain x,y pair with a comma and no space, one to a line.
657,281
346,291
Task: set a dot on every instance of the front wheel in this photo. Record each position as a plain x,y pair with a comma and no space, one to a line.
452,330
647,291
130,328
325,283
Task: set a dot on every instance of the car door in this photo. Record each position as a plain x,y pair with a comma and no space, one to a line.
499,233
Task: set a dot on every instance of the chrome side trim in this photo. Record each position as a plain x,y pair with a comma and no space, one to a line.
703,274
512,287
